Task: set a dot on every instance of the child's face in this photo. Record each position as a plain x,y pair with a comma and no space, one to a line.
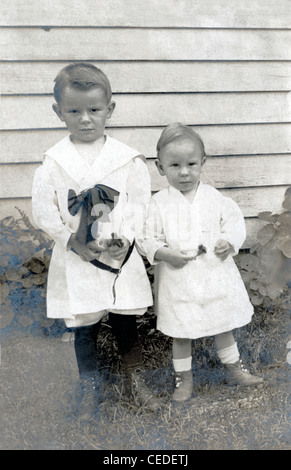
181,162
85,113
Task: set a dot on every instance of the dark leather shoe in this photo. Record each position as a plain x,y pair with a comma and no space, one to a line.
140,392
88,404
183,386
237,375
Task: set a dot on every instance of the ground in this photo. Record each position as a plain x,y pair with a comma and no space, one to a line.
39,384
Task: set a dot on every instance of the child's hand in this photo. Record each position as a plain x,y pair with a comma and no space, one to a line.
178,259
175,258
222,249
97,246
119,249
86,252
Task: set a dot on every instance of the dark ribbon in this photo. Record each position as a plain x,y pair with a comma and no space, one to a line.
99,194
85,201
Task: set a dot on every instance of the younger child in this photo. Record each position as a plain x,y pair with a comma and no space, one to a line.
84,196
192,232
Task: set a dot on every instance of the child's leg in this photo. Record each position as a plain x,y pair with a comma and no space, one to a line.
182,354
228,353
226,346
86,355
182,362
125,329
85,349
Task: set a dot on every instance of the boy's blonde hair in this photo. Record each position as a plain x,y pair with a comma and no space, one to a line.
82,76
177,131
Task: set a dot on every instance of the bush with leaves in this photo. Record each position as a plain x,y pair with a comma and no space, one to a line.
266,269
25,257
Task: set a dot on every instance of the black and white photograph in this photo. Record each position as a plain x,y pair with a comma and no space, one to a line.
145,217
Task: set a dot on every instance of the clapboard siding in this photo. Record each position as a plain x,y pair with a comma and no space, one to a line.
250,200
30,145
238,172
144,44
137,110
129,76
221,172
221,66
149,13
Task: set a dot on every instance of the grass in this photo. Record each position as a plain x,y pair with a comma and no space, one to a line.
218,416
39,381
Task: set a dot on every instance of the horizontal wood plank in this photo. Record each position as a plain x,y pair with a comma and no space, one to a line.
234,172
252,201
143,44
29,146
220,172
8,208
158,109
191,13
17,181
151,77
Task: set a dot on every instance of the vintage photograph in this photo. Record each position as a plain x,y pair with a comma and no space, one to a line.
145,216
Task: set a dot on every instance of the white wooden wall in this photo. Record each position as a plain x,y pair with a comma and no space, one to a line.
222,66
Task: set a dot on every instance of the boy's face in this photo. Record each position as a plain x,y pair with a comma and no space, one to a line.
181,162
85,112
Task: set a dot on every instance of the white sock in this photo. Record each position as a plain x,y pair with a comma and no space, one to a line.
229,355
182,365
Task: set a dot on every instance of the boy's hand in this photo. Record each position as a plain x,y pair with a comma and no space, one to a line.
86,252
175,258
222,249
118,248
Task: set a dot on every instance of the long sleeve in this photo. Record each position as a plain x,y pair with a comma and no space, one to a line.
153,236
45,209
138,197
232,224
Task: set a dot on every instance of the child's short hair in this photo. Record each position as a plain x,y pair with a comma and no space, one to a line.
177,131
82,76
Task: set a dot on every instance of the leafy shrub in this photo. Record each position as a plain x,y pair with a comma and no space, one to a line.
266,269
25,257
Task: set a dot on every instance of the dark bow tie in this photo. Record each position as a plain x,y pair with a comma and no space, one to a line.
94,203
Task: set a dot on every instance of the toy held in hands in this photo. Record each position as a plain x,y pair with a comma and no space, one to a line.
115,241
201,251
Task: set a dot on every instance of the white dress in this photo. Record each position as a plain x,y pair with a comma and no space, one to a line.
76,287
207,296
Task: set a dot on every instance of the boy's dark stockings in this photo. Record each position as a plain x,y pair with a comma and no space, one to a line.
86,349
125,330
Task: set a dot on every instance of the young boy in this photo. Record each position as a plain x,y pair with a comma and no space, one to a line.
89,188
192,233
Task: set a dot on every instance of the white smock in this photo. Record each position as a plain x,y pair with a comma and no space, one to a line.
207,296
77,291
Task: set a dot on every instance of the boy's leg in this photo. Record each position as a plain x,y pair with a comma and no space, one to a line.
182,362
125,330
86,355
86,349
228,353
